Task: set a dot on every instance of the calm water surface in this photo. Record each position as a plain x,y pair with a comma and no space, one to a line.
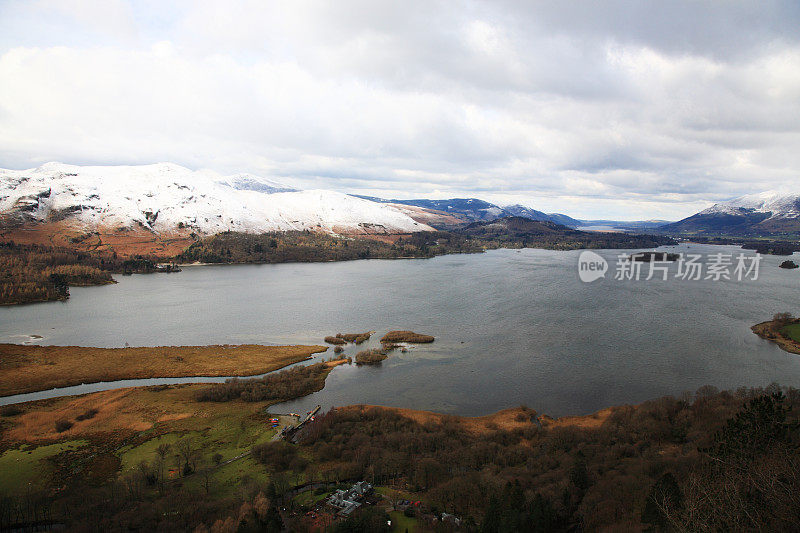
512,327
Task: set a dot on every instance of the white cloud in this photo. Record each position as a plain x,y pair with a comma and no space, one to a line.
561,105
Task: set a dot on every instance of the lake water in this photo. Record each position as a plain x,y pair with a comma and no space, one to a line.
512,326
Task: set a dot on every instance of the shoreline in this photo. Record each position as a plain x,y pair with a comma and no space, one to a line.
768,331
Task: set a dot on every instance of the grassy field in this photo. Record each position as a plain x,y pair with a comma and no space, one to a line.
228,481
310,498
401,523
229,437
28,466
32,368
792,331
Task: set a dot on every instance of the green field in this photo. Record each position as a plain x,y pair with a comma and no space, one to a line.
229,480
792,331
401,523
229,437
28,467
309,498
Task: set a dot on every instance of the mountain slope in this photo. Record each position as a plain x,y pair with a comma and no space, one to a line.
565,220
518,210
458,210
166,197
764,214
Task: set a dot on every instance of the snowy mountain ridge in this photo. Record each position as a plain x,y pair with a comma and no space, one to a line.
163,197
780,205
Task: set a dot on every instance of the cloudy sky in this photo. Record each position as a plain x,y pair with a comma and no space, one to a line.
618,109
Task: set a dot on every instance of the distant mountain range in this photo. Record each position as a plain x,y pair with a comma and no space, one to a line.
455,212
165,198
459,211
768,214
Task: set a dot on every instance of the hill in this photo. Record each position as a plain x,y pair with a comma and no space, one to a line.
767,214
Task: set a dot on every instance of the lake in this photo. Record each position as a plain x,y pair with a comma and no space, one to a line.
512,326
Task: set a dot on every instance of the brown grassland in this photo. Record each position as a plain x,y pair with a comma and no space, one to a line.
31,368
121,412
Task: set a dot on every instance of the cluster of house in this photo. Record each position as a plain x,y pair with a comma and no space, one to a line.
347,501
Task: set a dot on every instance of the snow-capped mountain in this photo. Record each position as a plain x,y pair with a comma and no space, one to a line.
778,205
164,197
765,214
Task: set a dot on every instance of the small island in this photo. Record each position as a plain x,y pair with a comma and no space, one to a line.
789,264
370,357
406,336
343,338
783,330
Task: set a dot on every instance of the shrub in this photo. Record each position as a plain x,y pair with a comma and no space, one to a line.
90,413
63,425
11,410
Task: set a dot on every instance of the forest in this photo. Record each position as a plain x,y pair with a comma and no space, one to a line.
38,273
306,246
720,461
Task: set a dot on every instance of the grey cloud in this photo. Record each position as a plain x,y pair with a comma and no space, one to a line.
664,102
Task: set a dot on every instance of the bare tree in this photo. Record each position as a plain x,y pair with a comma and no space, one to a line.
188,453
205,476
162,451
